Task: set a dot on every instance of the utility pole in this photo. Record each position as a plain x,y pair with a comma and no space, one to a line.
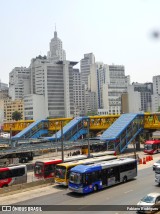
62,146
88,125
11,137
56,131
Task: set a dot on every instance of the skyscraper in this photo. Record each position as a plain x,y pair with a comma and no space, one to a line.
56,52
19,82
156,94
118,83
85,66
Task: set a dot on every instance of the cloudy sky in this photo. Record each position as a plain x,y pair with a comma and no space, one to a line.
116,31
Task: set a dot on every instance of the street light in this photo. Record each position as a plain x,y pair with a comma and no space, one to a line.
62,146
88,125
56,130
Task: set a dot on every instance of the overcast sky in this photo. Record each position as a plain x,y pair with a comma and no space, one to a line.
116,31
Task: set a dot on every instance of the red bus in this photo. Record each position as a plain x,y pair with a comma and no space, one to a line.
46,169
152,146
13,175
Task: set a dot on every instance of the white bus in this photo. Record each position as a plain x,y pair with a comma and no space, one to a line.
12,175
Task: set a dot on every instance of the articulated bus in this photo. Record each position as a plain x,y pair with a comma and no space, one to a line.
62,170
152,146
13,175
85,179
46,169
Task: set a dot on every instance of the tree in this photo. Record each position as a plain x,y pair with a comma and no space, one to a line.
16,115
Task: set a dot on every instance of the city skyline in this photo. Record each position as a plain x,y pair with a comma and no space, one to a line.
115,32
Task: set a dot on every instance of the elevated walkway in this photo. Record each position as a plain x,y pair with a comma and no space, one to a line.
72,131
123,131
34,130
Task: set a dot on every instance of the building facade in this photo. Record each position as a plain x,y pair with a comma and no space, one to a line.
156,94
34,107
85,67
78,94
19,82
118,83
11,106
56,52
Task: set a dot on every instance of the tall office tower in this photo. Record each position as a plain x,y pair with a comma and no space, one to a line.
56,52
117,86
98,82
85,67
102,83
90,103
19,82
156,94
37,63
146,91
55,82
78,94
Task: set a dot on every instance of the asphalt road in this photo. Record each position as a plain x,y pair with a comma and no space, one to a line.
123,194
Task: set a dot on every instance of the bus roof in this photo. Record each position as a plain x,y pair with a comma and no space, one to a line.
152,141
66,159
88,161
12,167
101,165
49,161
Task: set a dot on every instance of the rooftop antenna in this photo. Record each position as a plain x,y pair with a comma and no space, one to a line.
55,26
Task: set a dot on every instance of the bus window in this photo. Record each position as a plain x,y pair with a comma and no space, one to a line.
38,169
76,178
60,172
5,174
68,172
18,172
95,176
49,169
88,179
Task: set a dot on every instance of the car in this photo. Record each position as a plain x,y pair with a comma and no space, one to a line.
149,203
157,163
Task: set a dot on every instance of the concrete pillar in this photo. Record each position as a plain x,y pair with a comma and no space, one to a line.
138,147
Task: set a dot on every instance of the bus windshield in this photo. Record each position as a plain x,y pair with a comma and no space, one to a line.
157,170
148,146
60,172
75,178
38,169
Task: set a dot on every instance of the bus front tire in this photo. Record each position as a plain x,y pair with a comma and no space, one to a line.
125,179
95,188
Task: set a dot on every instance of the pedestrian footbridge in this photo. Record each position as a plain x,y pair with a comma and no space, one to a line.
73,128
123,131
72,131
34,130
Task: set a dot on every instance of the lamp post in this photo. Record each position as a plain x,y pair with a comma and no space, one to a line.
10,138
62,146
56,131
88,125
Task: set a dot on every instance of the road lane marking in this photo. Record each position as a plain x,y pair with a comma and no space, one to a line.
129,191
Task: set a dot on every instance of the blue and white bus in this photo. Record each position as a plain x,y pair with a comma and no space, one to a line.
93,177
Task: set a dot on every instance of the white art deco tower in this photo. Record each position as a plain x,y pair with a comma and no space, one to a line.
56,52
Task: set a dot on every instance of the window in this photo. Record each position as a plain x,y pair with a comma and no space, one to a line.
18,172
127,167
5,174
